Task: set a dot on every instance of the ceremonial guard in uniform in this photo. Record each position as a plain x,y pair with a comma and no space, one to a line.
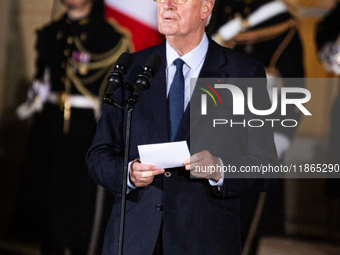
265,30
328,44
75,55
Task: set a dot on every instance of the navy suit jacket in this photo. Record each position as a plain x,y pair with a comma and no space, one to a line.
196,218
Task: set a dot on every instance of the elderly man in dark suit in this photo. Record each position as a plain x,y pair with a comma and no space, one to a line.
167,212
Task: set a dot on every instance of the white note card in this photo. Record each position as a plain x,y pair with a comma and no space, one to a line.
164,155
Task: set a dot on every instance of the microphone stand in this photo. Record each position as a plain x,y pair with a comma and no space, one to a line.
129,107
124,181
143,80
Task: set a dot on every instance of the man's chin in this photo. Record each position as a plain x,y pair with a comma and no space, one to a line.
167,31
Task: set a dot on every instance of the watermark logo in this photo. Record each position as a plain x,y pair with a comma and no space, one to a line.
204,97
239,99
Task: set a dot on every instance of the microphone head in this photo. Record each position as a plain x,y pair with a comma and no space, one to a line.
125,59
154,62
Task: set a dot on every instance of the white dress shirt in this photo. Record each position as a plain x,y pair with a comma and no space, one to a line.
191,69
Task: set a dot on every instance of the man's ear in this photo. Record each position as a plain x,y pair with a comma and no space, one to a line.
207,8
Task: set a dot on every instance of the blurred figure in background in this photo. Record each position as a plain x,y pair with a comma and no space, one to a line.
266,30
328,44
57,199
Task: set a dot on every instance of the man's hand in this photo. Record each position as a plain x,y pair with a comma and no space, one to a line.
142,175
201,160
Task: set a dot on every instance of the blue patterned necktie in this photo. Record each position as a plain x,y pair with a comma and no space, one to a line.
176,99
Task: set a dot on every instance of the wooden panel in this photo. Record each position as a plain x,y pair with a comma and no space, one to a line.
4,19
19,20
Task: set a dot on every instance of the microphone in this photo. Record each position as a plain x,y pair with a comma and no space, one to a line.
115,79
143,80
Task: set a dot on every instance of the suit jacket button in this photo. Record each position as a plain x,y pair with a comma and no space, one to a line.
167,174
159,208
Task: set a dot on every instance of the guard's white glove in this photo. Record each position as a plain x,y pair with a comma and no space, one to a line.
329,56
228,31
37,95
42,90
237,25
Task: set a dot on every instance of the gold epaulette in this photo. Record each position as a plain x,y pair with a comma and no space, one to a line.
265,34
102,65
52,21
122,30
262,34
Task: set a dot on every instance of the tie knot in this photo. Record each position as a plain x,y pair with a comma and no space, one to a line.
179,63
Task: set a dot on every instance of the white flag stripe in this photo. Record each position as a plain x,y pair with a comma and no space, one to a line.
144,11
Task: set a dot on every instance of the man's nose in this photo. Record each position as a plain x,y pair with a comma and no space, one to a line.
169,4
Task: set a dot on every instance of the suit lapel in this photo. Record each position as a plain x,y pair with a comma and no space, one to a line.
213,67
215,62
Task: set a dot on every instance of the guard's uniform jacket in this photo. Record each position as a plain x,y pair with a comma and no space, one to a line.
58,196
78,56
276,43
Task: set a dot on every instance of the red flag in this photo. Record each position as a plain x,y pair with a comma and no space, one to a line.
137,19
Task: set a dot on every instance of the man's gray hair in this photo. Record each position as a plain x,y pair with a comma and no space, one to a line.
209,17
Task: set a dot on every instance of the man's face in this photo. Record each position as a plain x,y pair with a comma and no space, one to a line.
182,19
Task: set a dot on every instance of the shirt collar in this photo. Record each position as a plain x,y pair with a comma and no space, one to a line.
192,58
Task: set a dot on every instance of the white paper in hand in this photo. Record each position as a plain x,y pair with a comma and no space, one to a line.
164,155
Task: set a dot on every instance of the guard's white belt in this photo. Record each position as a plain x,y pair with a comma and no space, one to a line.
76,101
